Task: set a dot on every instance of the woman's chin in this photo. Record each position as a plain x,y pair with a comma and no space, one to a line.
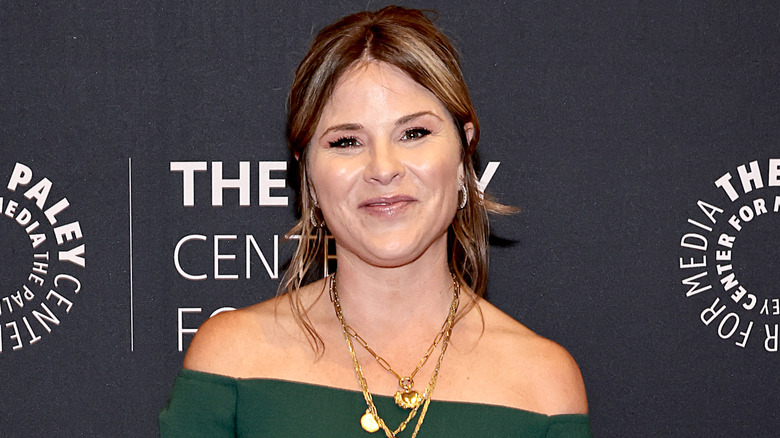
391,249
394,255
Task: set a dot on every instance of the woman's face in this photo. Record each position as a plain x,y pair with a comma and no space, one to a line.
384,165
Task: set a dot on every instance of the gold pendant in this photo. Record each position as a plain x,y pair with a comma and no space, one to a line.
368,422
408,399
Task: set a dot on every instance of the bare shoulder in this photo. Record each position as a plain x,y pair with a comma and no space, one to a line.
541,371
228,343
264,340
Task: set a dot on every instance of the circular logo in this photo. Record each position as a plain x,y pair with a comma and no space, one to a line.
42,255
729,256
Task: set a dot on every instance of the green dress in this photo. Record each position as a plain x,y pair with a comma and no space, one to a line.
209,405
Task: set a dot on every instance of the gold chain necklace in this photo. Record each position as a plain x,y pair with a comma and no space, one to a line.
371,421
406,397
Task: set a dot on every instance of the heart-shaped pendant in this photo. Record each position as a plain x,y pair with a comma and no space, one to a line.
408,399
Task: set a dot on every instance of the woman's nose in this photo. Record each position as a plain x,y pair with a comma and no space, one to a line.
385,163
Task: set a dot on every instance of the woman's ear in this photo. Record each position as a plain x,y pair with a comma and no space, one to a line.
313,194
468,129
312,191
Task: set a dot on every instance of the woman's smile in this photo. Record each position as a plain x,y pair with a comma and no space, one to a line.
387,206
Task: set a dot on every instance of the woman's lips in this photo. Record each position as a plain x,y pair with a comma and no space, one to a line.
386,205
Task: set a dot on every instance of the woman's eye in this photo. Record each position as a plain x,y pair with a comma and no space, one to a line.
345,142
414,134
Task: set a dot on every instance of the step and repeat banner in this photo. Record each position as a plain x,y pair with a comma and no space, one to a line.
144,187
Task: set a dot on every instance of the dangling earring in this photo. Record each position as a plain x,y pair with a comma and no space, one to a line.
465,198
314,222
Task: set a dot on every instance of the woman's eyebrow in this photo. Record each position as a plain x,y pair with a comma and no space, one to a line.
343,127
406,119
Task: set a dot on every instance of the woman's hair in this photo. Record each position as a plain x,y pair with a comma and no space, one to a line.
407,40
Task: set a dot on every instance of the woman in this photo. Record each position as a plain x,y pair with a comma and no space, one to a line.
385,134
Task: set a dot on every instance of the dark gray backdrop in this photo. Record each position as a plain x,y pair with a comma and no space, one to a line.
609,120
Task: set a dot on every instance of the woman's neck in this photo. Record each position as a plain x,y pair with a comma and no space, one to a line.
413,298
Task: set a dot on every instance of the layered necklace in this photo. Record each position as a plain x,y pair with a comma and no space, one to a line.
406,397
